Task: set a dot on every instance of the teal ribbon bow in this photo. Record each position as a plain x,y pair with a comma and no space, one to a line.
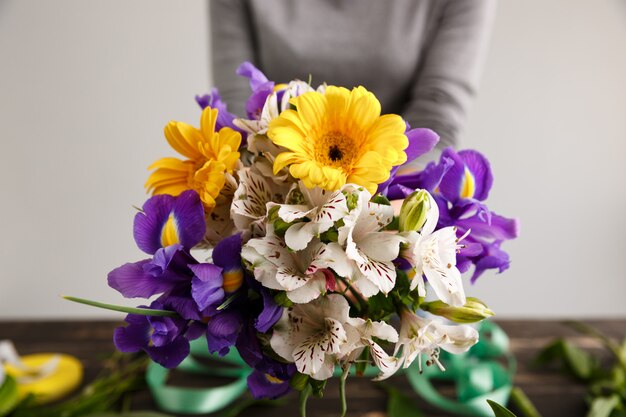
477,374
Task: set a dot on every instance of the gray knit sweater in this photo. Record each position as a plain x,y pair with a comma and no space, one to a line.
422,58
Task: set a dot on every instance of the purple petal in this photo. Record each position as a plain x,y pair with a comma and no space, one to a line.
183,304
263,385
166,329
131,280
222,331
256,77
421,141
453,180
270,315
149,223
170,355
134,337
480,169
256,102
206,285
495,258
227,253
248,346
500,228
195,330
214,101
188,219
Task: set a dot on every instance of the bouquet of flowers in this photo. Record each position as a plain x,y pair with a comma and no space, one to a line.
302,237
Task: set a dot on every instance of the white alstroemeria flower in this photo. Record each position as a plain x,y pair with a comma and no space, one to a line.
259,127
433,254
313,335
322,208
361,333
249,207
297,88
303,275
372,249
420,336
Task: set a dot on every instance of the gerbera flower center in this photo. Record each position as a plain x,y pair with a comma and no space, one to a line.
335,149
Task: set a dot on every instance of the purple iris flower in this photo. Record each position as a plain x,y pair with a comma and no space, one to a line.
164,217
421,141
261,88
459,183
162,338
224,117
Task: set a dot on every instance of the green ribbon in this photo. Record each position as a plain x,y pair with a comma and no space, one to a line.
477,374
199,400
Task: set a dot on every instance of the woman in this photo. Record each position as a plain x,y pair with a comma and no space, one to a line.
421,58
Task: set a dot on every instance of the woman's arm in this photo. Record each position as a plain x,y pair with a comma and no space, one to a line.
449,73
232,43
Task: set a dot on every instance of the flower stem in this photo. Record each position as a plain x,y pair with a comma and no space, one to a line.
342,390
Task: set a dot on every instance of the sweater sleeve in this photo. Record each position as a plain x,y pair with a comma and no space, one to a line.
449,73
232,43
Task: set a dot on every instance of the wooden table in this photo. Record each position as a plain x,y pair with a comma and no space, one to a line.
553,394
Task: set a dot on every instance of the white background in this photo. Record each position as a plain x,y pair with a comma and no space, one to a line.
87,86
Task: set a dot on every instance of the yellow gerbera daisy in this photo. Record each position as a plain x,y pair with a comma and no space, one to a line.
210,155
338,137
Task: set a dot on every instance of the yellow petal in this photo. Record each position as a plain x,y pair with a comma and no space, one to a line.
184,139
207,122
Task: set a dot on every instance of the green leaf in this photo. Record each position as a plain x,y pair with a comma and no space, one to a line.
578,361
318,387
381,199
523,403
282,299
603,406
500,411
399,405
299,381
129,310
227,302
9,396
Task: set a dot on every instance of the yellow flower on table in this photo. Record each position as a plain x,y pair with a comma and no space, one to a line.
338,137
210,156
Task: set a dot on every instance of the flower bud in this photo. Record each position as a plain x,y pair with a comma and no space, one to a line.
414,210
474,310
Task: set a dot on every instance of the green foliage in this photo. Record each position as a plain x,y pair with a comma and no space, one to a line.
399,405
606,384
123,309
381,199
124,374
500,411
282,299
8,395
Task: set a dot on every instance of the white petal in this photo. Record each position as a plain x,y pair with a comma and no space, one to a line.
447,283
381,274
312,289
283,338
366,287
293,212
432,217
332,256
382,246
387,364
309,354
290,278
299,235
